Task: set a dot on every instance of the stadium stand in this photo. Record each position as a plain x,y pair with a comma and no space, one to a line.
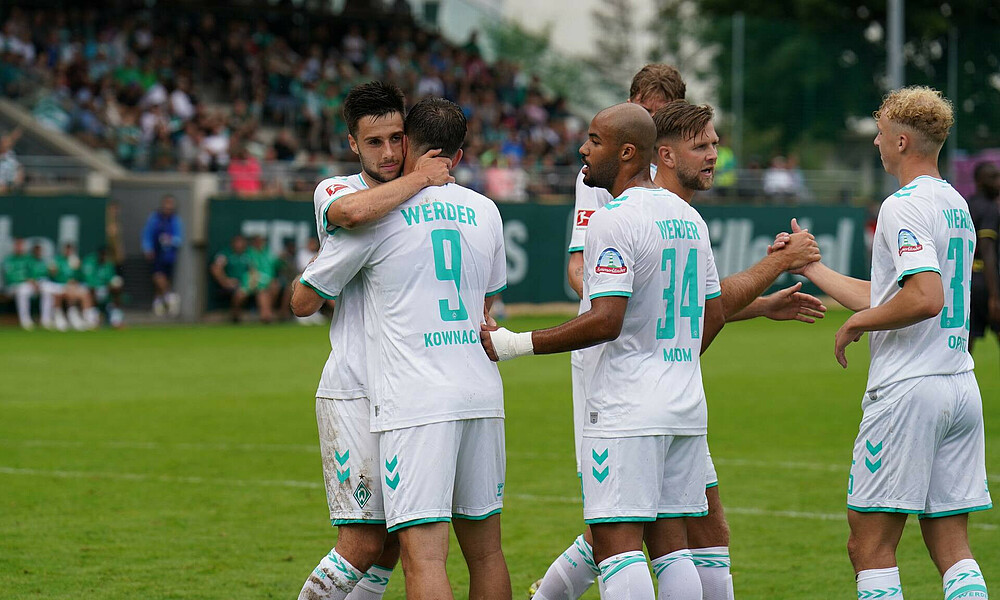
222,91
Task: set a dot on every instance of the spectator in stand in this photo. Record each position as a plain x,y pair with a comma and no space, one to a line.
244,171
161,243
725,170
778,180
11,171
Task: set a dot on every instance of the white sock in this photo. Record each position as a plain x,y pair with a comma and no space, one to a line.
333,579
571,574
677,576
880,583
625,576
964,580
93,317
372,584
713,570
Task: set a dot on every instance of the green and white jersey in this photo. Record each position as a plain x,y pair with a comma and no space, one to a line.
427,267
344,374
925,226
16,269
653,247
97,274
65,268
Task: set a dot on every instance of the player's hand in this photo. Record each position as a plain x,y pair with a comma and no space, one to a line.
779,242
436,170
845,336
487,341
489,323
791,304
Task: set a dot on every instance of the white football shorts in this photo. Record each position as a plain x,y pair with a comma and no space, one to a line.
350,461
921,449
434,472
644,478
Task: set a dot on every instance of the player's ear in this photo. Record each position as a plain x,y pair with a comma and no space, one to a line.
627,152
354,144
457,159
903,142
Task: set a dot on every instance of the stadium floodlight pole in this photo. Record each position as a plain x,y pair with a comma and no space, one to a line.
895,72
739,55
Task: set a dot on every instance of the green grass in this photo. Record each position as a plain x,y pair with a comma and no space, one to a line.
183,463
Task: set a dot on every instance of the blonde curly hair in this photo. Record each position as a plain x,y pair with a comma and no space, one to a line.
921,110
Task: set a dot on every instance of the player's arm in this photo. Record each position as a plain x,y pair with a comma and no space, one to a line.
784,305
921,298
741,289
715,320
306,300
218,271
366,206
574,272
602,323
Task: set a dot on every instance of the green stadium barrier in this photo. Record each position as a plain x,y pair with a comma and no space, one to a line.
52,221
537,237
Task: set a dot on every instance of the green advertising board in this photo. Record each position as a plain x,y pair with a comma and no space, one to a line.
537,238
51,221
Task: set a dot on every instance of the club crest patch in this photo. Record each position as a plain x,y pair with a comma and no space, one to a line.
611,262
908,242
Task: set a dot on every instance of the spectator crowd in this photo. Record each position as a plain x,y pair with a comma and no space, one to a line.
202,91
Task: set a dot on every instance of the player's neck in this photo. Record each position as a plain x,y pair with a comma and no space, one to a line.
626,180
910,170
667,179
369,180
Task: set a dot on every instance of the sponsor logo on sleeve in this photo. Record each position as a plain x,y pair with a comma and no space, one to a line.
333,189
908,242
611,262
583,217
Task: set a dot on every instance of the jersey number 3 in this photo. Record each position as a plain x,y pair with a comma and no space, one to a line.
666,328
448,267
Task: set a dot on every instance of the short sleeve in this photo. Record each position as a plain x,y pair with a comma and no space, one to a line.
341,258
326,193
498,272
587,202
908,229
713,289
609,255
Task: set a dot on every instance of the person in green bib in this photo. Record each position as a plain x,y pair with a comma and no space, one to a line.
18,280
99,275
229,270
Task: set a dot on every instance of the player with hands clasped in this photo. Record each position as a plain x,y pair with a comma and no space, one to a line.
654,294
921,446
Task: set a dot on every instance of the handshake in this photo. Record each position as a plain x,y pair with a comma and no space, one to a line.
796,250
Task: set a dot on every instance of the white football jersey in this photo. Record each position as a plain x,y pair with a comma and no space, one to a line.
344,372
925,226
427,267
588,201
653,247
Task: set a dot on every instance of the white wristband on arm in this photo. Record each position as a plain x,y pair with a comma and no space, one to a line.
510,345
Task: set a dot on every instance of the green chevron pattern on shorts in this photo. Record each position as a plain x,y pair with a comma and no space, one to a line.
873,594
662,566
390,466
609,570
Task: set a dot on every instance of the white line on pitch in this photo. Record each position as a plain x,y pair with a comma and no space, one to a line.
292,483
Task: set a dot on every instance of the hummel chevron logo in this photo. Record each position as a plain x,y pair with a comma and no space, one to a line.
600,476
600,458
390,466
873,450
867,594
342,458
343,475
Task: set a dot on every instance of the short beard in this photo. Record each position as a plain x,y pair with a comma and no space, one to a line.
375,174
601,178
692,180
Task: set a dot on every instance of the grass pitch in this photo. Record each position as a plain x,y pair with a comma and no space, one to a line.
183,463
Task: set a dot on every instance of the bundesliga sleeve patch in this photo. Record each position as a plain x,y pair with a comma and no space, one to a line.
583,217
611,262
908,242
